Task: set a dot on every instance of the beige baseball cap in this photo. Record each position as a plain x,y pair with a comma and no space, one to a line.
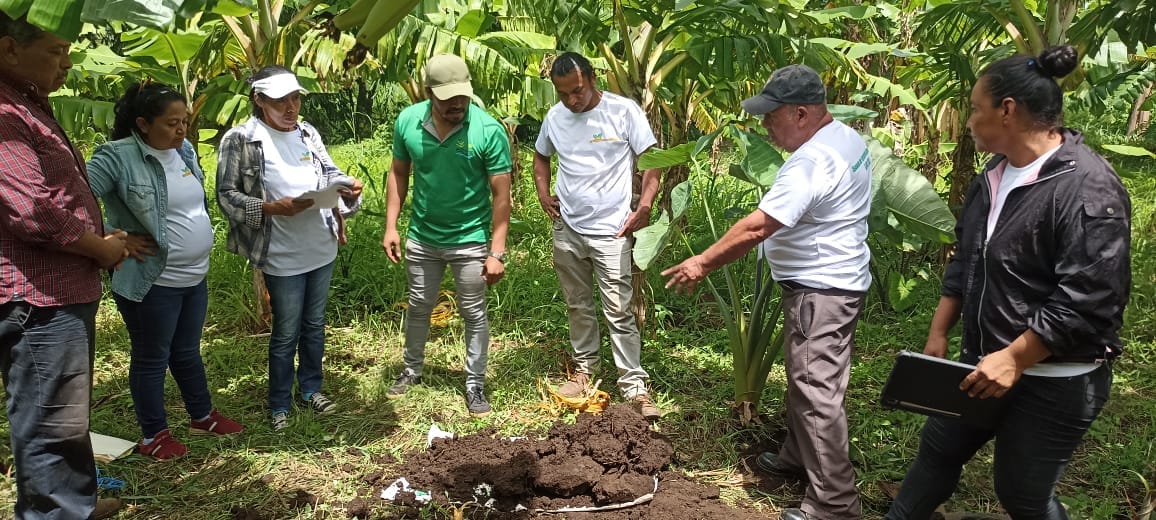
448,77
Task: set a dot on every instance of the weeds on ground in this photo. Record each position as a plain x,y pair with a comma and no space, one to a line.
321,467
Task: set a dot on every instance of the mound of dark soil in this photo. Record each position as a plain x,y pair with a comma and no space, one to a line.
604,459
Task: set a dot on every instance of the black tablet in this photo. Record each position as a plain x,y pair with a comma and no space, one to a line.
930,386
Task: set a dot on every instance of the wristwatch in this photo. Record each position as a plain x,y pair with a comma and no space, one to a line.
500,256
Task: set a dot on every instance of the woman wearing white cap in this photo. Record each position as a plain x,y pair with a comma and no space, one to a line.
266,164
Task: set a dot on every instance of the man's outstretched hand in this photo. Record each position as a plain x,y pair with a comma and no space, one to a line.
686,276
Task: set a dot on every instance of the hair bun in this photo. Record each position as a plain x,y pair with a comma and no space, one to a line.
1058,61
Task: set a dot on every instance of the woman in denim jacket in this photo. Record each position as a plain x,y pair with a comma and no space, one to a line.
152,187
267,168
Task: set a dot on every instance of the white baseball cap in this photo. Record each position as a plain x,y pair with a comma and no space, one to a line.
278,86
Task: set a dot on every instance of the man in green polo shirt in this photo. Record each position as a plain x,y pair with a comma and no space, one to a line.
458,157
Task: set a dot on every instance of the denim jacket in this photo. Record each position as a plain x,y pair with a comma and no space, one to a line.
132,185
241,189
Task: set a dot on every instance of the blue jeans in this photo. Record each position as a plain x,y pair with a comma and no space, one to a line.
1044,423
298,304
165,330
426,265
46,355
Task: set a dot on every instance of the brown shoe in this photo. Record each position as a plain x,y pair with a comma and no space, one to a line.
577,386
646,407
105,508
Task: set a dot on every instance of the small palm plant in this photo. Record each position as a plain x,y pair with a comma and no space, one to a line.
903,202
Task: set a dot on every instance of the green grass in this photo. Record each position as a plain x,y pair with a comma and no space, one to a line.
330,458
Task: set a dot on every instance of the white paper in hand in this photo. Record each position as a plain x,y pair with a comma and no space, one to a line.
325,198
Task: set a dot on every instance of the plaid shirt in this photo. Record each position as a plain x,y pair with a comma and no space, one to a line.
241,189
45,204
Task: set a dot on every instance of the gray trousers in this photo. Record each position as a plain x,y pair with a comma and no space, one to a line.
581,262
820,327
425,266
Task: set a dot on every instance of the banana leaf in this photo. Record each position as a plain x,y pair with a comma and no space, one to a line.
66,18
903,193
60,17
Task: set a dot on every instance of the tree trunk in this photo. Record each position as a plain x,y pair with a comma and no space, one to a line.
515,159
930,165
639,302
261,301
1134,115
1058,19
412,89
962,173
364,109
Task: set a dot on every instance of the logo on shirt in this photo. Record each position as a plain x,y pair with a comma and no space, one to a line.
865,157
464,149
600,137
186,171
307,156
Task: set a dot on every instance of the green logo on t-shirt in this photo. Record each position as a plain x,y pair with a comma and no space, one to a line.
465,148
600,137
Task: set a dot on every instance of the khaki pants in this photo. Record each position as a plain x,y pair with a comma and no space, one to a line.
820,325
581,263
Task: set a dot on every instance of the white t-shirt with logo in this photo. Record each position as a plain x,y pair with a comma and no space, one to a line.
300,243
596,152
187,226
822,196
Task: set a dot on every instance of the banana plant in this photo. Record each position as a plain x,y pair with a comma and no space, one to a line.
66,18
372,19
903,203
60,17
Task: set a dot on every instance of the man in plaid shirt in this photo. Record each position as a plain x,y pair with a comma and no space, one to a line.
51,254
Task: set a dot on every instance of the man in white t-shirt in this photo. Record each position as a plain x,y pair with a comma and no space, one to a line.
597,137
812,226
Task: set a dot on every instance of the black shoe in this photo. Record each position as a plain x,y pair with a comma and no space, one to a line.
403,382
770,464
476,402
793,514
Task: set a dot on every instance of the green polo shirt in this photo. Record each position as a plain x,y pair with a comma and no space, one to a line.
451,178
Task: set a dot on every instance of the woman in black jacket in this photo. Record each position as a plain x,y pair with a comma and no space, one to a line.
1040,278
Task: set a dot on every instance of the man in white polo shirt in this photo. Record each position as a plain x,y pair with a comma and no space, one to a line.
597,137
812,226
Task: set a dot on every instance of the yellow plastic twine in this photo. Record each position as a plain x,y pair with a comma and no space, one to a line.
442,312
592,399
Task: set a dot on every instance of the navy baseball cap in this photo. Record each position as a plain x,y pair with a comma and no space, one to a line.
790,85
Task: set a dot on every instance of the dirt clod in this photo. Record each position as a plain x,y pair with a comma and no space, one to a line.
604,459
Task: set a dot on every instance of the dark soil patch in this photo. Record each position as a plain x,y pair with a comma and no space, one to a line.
245,513
600,460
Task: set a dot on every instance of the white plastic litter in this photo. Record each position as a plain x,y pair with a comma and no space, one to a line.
436,433
401,484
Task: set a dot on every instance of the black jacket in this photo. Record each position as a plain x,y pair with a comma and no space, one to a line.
1057,261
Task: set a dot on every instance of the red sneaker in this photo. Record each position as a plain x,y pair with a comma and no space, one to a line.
216,424
163,447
